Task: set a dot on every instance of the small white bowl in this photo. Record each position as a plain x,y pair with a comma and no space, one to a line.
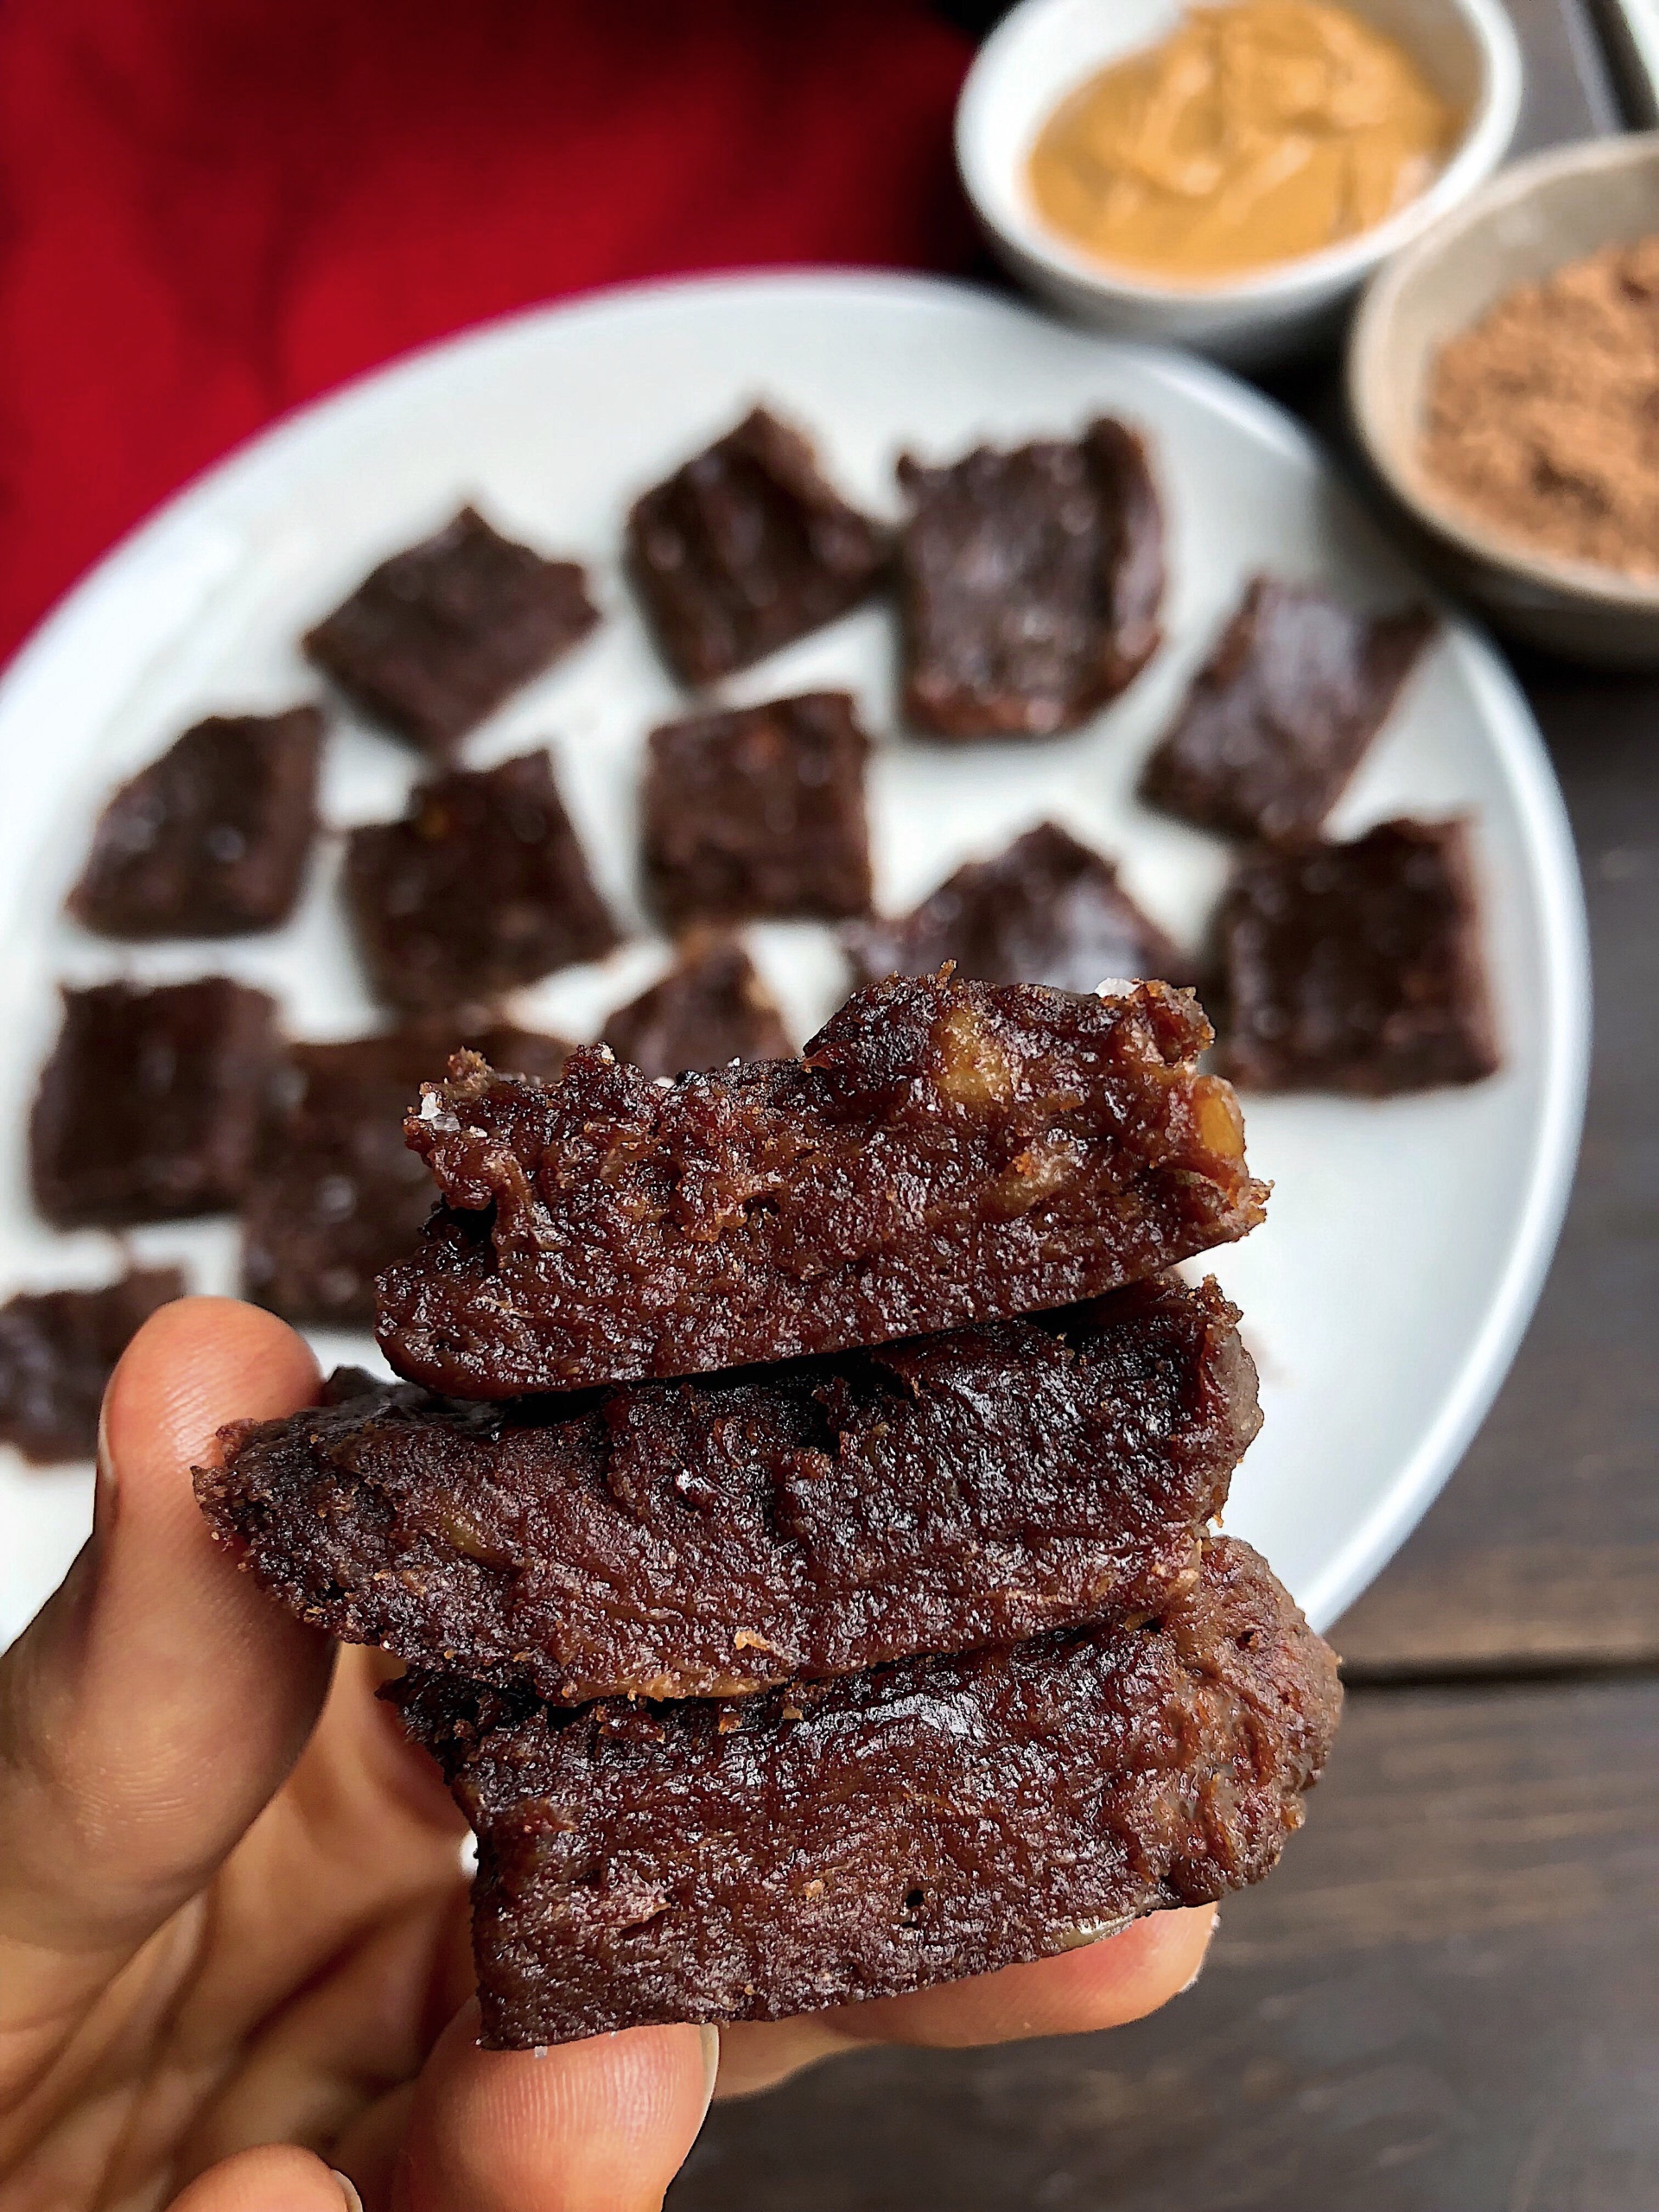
1046,48
1536,217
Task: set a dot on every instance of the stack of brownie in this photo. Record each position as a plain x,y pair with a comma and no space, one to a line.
798,1518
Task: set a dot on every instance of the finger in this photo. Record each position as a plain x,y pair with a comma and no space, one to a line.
277,2178
1104,1985
340,2045
159,1698
602,2126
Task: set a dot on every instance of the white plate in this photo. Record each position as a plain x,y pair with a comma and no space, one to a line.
1406,1240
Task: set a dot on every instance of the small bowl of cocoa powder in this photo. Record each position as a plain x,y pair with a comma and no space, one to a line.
1503,381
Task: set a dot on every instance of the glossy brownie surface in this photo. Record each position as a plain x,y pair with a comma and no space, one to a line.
915,1824
335,1193
709,1537
746,547
58,1348
481,887
436,638
1281,714
709,1008
149,1105
945,1152
212,839
1029,583
1047,910
1358,967
758,810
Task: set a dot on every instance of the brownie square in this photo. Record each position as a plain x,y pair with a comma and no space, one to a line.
435,638
148,1108
212,839
758,810
58,1348
336,1194
1048,910
745,548
1281,714
1029,583
1357,968
480,887
709,1008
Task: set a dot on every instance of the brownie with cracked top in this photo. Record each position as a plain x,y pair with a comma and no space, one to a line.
148,1108
758,810
212,839
1047,910
833,1841
480,887
1281,714
709,1008
710,1537
745,548
944,1153
335,1194
1356,967
58,1348
436,638
1030,582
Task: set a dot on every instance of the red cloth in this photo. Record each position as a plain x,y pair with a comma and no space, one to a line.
213,209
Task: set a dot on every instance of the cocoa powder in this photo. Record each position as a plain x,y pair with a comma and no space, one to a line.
1543,418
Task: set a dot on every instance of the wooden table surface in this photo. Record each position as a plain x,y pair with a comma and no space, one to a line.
1447,1999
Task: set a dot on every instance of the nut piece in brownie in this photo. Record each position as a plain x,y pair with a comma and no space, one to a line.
435,638
945,1152
335,1194
149,1106
1047,910
1358,967
746,547
480,887
709,1008
58,1348
212,839
827,1842
707,1538
1280,716
1029,583
758,810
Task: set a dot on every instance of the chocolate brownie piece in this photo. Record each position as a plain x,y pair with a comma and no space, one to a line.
710,1537
1280,716
480,887
336,1194
58,1348
212,839
828,1842
746,547
1047,910
148,1108
1358,967
435,638
758,810
709,1008
945,1152
1029,583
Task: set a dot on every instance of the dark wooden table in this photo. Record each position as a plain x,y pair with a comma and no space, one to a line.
1447,2000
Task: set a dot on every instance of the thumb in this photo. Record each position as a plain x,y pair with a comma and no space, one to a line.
597,2127
158,1700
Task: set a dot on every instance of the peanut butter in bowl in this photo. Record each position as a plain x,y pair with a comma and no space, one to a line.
1255,134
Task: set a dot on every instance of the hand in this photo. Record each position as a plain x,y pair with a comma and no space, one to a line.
234,1960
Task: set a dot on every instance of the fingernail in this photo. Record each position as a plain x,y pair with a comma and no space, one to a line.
104,1485
354,2201
1215,1921
710,2064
